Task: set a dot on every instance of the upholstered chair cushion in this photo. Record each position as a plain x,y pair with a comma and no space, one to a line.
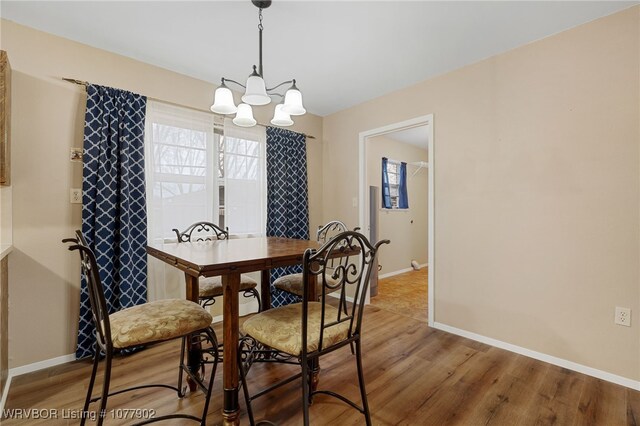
293,284
281,328
212,286
157,321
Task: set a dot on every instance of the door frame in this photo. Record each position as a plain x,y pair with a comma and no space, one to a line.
363,193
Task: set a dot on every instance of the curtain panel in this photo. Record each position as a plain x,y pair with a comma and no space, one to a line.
114,216
386,191
403,198
287,197
182,182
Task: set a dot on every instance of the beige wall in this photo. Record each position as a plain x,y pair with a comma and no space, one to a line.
407,229
536,190
48,119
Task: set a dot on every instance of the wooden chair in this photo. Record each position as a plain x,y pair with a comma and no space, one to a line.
141,325
293,283
211,287
277,334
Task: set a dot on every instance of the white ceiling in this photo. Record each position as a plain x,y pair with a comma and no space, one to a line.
416,136
342,53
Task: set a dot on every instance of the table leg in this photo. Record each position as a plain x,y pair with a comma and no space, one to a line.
265,289
230,314
194,349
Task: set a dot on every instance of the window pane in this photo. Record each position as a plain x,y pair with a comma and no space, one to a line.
253,148
252,168
163,133
236,146
393,179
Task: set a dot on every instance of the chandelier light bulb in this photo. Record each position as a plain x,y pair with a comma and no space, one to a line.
256,91
293,101
223,101
244,117
281,118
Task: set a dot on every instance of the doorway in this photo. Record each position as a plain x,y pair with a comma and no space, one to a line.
412,228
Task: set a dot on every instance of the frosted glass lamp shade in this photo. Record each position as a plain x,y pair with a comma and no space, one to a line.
244,117
223,101
293,102
256,92
281,118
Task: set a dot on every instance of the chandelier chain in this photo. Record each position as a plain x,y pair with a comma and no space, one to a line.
260,27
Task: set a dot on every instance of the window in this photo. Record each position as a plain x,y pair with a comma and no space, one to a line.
393,170
243,180
394,184
196,173
180,149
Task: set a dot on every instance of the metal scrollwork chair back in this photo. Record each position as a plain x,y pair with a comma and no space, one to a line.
202,231
312,329
210,288
293,283
139,326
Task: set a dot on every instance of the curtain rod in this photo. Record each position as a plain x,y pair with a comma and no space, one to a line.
85,84
413,163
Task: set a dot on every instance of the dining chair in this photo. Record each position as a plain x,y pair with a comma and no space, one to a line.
277,335
142,325
293,283
210,288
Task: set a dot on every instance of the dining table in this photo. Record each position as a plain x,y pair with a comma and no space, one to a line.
229,258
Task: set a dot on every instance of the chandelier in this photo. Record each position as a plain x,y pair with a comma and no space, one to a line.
256,92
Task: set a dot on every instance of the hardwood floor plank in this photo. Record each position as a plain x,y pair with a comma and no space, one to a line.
633,407
414,376
601,403
551,404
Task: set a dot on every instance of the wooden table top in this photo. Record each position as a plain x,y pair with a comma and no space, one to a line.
209,258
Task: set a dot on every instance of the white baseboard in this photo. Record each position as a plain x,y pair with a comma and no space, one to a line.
30,368
570,365
401,271
391,274
336,295
5,393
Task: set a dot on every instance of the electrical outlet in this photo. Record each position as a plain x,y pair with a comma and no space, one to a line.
75,196
623,316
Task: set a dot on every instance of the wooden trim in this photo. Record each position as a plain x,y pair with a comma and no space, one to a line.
363,199
5,119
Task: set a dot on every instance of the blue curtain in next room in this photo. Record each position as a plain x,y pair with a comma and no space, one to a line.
114,216
386,192
403,198
287,197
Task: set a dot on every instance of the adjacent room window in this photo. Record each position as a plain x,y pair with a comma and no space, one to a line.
394,184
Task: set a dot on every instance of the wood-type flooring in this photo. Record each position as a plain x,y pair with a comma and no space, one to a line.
415,375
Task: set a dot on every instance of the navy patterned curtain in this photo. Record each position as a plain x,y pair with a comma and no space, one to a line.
287,197
386,192
114,214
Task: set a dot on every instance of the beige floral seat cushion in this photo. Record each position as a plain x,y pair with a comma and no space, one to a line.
212,286
157,321
293,284
281,328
